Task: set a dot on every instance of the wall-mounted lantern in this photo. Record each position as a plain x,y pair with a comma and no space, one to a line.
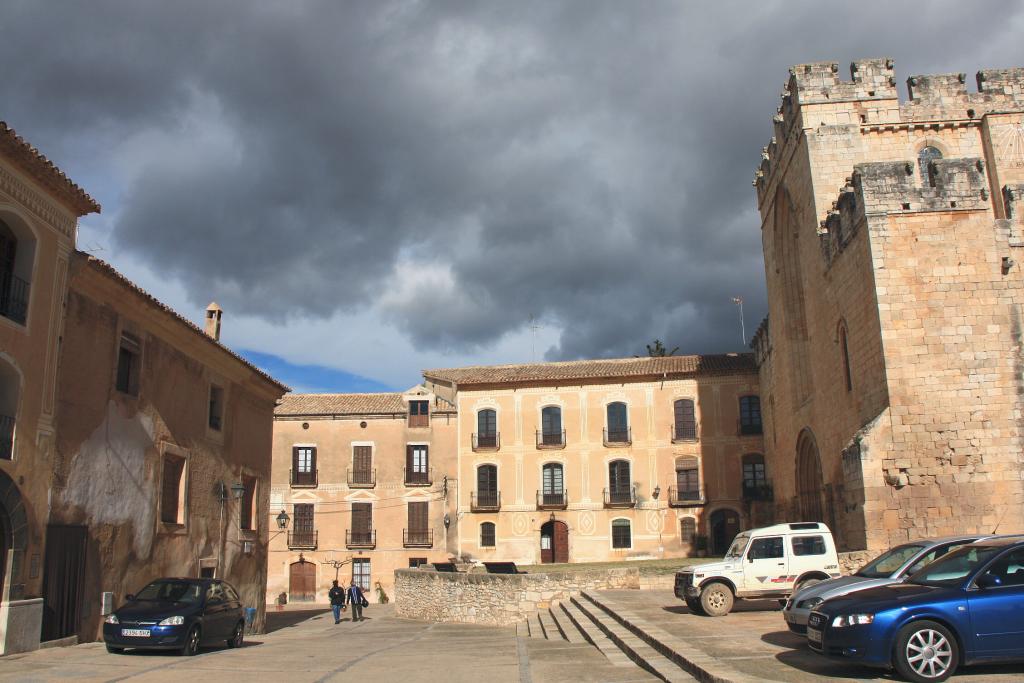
282,520
656,492
238,490
447,520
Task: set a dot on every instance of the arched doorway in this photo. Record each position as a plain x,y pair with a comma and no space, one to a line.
554,542
302,582
725,524
13,533
809,485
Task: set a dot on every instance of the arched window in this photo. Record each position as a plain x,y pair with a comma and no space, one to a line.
620,485
622,536
687,530
551,432
924,159
687,487
686,421
618,423
17,252
844,349
750,415
10,388
487,486
755,482
487,535
487,428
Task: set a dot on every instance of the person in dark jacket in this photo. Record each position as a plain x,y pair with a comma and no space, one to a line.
355,601
337,597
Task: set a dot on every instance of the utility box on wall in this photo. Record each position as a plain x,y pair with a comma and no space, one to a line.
107,603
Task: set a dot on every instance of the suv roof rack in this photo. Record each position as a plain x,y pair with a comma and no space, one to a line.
804,525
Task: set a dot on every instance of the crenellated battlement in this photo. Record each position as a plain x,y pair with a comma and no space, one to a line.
815,97
892,187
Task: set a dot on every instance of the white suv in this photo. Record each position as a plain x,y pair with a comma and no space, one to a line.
772,562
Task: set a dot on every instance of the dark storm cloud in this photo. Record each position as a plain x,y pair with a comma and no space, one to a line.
461,166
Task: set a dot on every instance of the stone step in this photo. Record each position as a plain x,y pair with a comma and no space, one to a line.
685,656
565,625
634,647
523,629
547,623
593,635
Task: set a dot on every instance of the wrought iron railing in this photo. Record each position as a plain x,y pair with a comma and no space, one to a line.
13,297
362,479
301,478
486,501
750,428
549,500
683,497
418,477
551,439
305,539
418,538
361,538
6,437
618,437
684,432
758,490
620,498
487,442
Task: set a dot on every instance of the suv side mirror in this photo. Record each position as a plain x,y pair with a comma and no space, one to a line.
750,558
988,581
130,597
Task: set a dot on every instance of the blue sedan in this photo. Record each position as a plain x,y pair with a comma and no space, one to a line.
965,608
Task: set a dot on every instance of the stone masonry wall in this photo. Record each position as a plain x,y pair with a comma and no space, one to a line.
495,599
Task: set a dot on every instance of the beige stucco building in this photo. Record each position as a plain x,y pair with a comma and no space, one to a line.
891,367
607,459
368,483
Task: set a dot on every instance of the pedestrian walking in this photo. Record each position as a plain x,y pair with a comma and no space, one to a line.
337,597
356,601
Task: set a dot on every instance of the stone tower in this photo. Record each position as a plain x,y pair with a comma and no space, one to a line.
891,369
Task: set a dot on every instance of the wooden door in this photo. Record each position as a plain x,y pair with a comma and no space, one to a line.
725,524
547,543
362,465
418,530
560,542
487,485
302,582
63,580
362,522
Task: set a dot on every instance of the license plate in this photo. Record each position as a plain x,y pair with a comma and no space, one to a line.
814,636
135,632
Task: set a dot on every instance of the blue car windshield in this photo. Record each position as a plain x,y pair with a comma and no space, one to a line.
889,562
953,568
171,591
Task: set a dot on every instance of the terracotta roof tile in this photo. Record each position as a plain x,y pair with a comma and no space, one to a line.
35,164
597,369
108,270
351,404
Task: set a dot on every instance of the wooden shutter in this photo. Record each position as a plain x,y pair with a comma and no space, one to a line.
362,517
686,420
487,479
303,517
418,516
618,476
173,469
362,459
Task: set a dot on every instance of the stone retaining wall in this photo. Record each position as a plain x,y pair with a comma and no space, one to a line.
853,561
495,599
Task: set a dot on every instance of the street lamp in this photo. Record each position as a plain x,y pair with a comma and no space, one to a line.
282,520
656,492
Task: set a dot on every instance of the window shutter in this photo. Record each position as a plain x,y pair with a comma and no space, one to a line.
418,516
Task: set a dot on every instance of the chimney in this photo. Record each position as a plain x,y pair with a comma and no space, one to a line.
213,315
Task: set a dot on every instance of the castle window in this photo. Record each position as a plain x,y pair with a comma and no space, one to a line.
618,424
172,499
845,350
487,535
750,415
622,537
128,357
924,159
216,413
688,530
419,413
247,506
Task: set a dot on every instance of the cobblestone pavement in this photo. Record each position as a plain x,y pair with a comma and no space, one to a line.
755,641
306,646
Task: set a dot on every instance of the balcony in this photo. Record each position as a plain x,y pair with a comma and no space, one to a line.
6,437
760,490
681,433
617,438
416,478
488,501
303,479
418,421
684,497
487,442
418,538
620,498
361,538
751,429
552,501
362,479
551,439
304,540
13,297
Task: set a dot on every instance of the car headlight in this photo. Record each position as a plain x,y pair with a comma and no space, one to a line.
172,621
844,620
810,603
111,619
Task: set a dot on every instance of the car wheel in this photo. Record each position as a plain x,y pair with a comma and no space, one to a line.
694,605
191,646
115,650
716,599
802,585
926,652
237,636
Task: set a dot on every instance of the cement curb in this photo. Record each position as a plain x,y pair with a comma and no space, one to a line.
701,666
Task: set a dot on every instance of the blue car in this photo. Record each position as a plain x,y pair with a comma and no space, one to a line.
965,608
181,614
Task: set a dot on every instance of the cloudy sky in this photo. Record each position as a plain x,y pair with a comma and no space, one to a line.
373,188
